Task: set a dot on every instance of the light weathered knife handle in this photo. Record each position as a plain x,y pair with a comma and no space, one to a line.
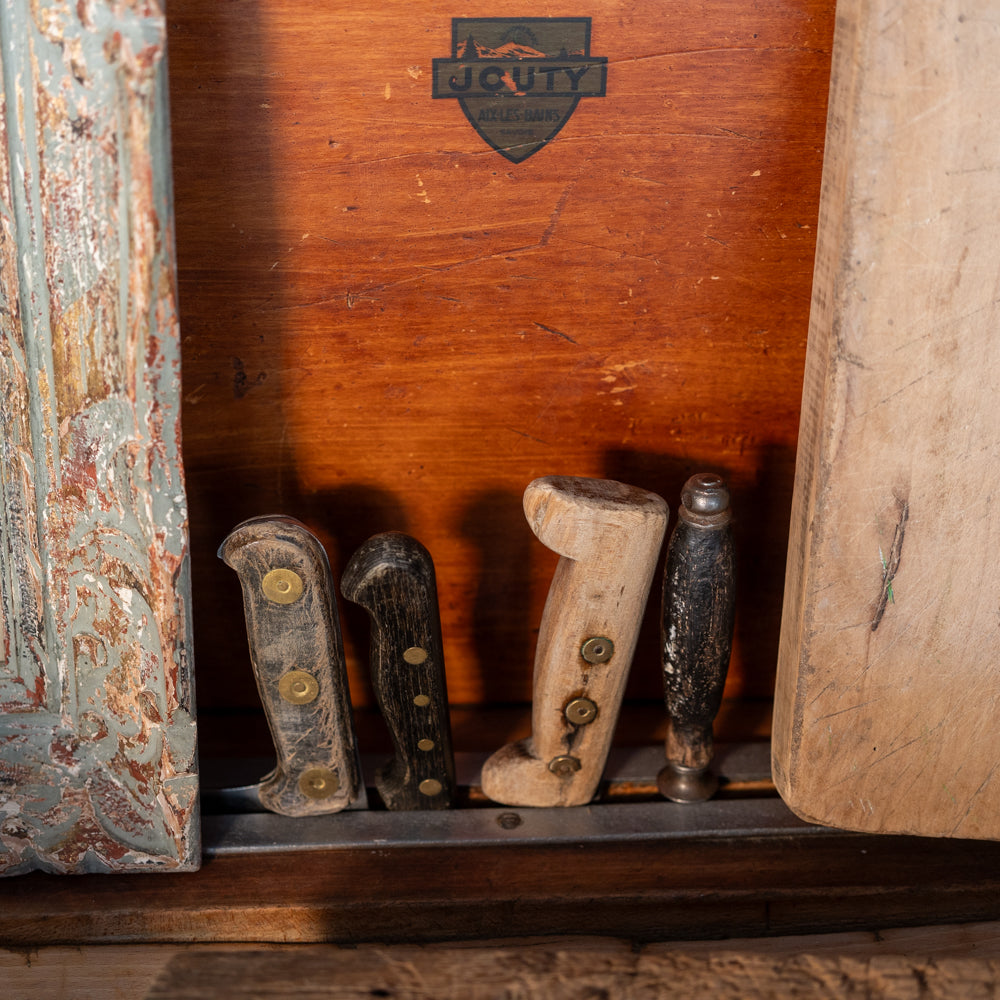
392,577
698,610
609,537
298,659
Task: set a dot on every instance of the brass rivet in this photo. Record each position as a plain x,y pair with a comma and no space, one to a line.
282,586
597,650
580,711
318,783
298,687
429,786
425,744
422,700
415,655
564,765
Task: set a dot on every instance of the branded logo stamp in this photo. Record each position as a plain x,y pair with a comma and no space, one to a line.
519,79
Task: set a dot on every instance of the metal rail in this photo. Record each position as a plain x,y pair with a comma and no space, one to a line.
628,809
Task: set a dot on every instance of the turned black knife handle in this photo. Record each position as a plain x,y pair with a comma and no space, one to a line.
392,577
698,612
298,659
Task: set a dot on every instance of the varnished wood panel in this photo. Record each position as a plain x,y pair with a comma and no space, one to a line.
696,889
388,326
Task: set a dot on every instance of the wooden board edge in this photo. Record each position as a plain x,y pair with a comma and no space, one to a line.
820,408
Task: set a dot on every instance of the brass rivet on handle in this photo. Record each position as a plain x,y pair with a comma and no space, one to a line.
422,700
430,786
425,744
298,687
599,649
415,655
564,765
318,783
580,711
282,586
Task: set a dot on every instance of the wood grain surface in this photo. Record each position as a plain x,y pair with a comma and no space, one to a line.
608,536
388,326
298,659
885,709
948,963
97,736
565,970
392,577
699,888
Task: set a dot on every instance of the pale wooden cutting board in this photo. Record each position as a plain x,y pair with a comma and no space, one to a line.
886,709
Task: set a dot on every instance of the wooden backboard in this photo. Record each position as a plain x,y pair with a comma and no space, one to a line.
388,325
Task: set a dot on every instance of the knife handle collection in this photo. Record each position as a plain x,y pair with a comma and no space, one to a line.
298,659
392,577
698,614
609,537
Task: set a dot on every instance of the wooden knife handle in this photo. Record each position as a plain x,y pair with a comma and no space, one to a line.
392,577
698,610
609,537
298,660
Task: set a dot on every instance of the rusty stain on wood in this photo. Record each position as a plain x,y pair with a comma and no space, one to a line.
97,737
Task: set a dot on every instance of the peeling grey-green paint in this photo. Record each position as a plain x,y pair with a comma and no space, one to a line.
97,736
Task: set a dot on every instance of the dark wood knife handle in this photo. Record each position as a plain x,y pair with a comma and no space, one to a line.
392,577
298,660
698,613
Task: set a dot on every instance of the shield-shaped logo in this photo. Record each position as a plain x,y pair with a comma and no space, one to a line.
519,79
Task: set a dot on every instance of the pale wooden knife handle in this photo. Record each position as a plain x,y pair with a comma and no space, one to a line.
298,660
609,536
699,591
392,577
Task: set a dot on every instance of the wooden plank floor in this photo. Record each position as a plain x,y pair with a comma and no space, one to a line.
935,961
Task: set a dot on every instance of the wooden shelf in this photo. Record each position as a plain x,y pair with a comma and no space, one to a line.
711,888
740,865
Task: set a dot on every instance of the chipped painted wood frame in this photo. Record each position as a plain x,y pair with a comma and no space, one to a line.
97,735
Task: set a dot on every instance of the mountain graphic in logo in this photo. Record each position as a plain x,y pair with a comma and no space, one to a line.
519,80
509,51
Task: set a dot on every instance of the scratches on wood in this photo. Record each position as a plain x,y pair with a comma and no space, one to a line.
890,563
97,742
558,333
436,297
825,967
898,393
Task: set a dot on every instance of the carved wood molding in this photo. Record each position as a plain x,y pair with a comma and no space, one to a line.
97,736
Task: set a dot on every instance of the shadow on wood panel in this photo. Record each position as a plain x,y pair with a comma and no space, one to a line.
504,634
